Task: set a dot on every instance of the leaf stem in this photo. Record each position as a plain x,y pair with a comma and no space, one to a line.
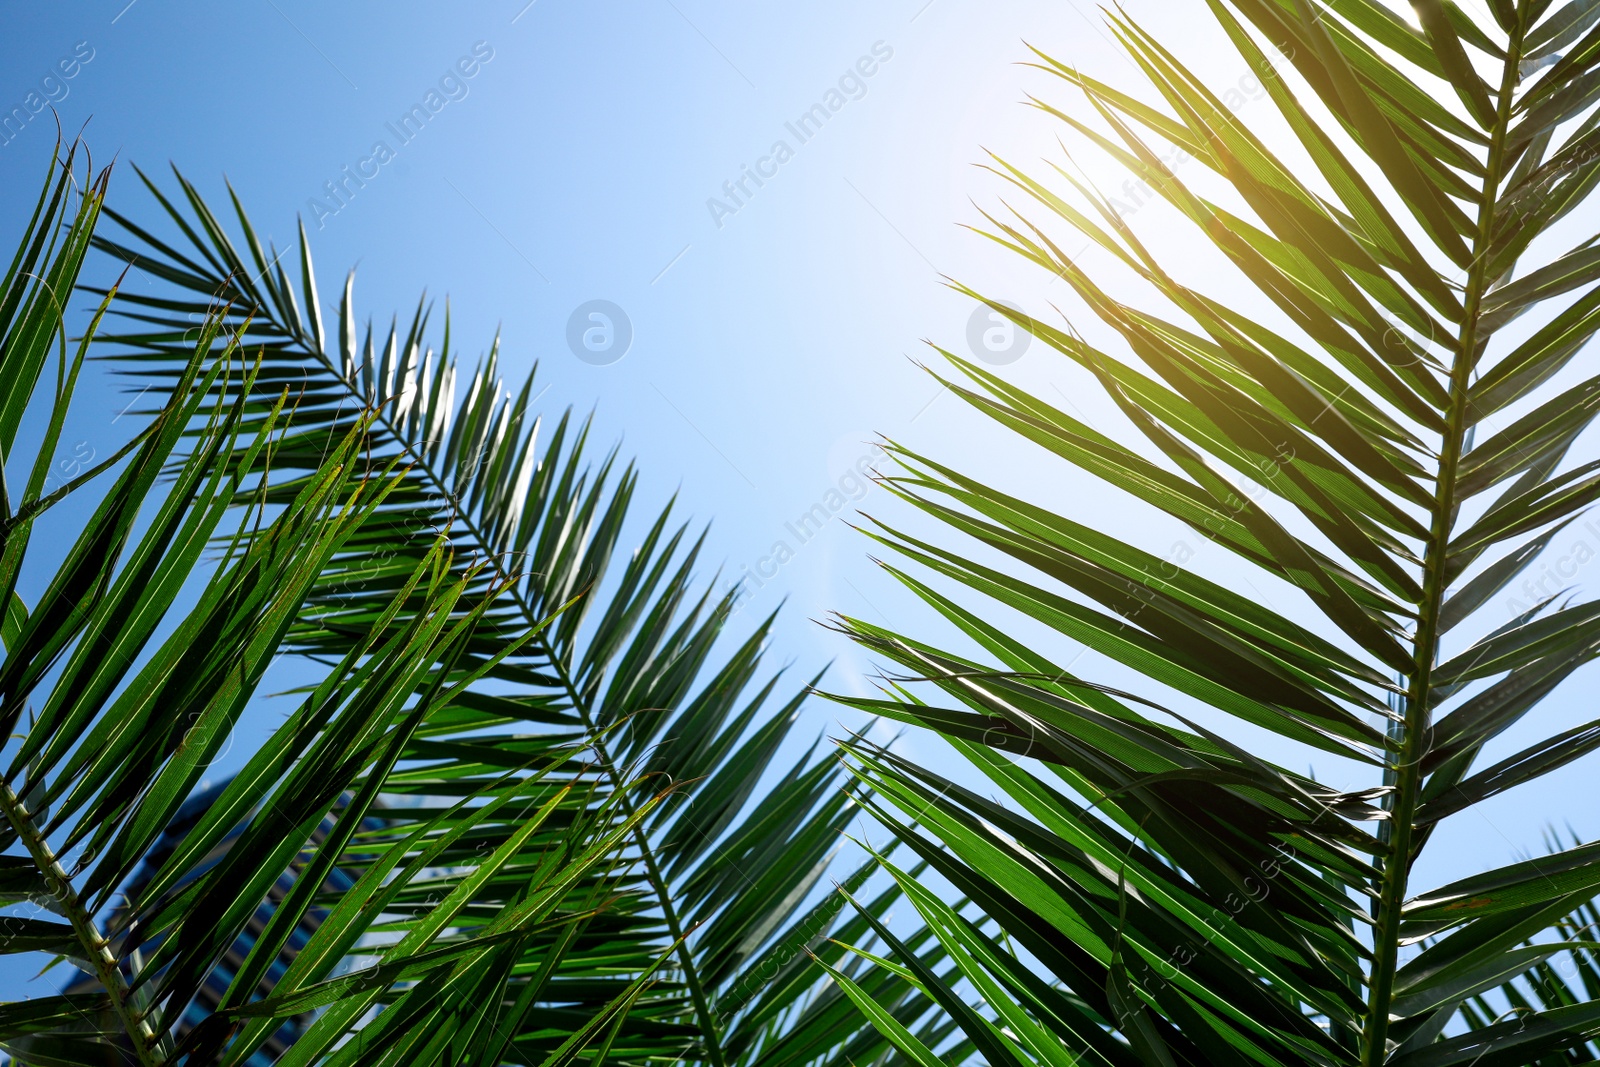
691,973
711,1038
96,951
1398,831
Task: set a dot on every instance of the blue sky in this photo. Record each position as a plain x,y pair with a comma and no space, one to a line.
596,152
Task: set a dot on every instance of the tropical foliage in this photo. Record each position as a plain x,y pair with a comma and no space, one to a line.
129,669
1379,431
491,747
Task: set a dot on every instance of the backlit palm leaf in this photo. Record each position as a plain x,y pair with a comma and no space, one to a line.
1371,434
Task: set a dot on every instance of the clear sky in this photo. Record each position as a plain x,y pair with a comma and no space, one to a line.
605,151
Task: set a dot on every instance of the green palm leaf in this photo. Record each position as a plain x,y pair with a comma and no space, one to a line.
124,677
1172,897
632,672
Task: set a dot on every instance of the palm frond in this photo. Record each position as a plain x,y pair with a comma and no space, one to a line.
124,677
1369,435
632,670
